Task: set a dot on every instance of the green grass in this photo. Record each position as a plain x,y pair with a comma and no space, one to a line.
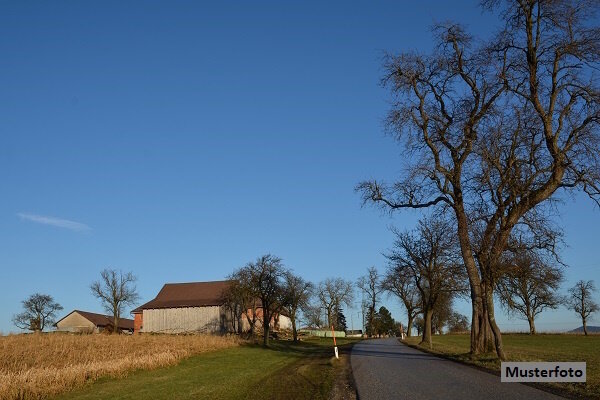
283,371
523,347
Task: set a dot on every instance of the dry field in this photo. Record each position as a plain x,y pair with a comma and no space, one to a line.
37,366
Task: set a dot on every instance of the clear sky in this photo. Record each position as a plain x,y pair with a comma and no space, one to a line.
179,140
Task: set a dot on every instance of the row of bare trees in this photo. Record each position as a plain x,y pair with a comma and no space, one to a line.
428,256
426,273
497,128
264,289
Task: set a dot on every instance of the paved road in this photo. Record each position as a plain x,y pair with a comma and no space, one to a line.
387,369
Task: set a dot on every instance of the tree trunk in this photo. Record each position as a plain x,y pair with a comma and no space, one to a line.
251,323
489,300
480,331
266,327
427,315
531,325
116,320
479,322
372,314
585,332
294,332
409,325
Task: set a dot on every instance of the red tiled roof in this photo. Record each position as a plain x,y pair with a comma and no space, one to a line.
192,294
101,319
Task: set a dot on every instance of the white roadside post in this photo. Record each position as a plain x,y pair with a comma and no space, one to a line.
334,343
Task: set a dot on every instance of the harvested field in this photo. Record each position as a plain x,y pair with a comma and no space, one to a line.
37,366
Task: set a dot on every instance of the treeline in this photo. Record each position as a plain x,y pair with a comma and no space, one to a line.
426,273
264,289
496,128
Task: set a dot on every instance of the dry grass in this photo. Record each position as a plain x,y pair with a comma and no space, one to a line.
40,365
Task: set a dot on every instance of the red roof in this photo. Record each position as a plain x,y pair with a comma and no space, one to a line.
101,320
191,294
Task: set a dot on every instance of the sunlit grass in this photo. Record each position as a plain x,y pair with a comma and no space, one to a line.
285,370
523,347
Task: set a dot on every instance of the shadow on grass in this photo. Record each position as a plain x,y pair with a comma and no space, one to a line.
309,347
314,373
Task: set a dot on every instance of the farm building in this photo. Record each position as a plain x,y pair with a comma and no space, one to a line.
88,322
190,307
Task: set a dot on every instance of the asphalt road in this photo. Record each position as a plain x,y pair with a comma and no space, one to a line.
387,369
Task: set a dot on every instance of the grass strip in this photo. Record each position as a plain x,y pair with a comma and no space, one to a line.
524,347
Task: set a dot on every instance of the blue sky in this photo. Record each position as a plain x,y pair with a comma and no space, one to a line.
179,140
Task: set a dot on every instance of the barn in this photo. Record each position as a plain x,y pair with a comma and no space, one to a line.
89,322
189,307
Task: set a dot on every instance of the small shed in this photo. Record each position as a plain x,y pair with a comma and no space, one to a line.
88,322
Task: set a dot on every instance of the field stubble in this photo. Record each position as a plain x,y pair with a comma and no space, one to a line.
37,366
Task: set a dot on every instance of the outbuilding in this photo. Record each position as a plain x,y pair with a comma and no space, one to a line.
89,322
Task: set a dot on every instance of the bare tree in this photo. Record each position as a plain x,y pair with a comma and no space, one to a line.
529,286
264,278
296,295
495,130
442,313
313,315
581,301
39,311
116,291
334,292
458,323
419,324
370,284
241,299
429,256
399,282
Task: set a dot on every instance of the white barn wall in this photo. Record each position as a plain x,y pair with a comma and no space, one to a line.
285,322
184,319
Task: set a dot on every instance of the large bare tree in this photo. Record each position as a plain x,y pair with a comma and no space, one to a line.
581,301
241,301
313,315
115,290
529,286
370,285
263,279
296,295
429,255
333,293
399,282
442,312
39,311
495,130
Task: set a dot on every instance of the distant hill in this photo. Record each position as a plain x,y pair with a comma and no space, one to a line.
590,329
